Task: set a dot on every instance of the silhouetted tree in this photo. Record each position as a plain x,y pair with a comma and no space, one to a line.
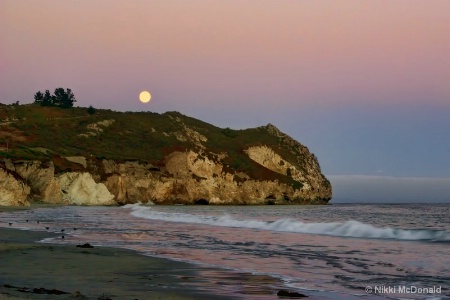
64,99
61,98
91,110
48,99
38,97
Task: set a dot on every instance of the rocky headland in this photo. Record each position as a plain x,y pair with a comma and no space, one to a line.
60,156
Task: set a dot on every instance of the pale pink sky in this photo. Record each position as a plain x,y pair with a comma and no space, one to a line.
324,50
323,71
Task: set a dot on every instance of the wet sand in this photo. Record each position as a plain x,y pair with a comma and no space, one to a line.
31,270
88,273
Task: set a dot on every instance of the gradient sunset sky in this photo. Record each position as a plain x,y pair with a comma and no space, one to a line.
364,84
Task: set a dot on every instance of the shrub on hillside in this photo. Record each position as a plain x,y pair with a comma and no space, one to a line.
91,110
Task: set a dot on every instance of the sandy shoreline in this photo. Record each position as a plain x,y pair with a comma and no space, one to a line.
28,267
87,273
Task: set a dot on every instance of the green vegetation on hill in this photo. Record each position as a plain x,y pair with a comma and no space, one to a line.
45,132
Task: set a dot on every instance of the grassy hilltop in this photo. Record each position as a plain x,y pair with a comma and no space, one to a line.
34,132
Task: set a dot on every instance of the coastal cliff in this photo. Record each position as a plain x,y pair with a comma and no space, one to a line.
186,162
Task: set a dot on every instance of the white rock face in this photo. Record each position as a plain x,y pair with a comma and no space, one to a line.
13,192
81,189
188,134
266,157
77,159
97,128
52,193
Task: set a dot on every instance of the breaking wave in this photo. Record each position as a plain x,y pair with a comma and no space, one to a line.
342,229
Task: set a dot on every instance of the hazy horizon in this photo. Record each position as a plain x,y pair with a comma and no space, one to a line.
386,189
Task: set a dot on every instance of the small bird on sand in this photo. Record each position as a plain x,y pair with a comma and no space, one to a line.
74,229
10,224
27,221
37,222
62,230
47,228
62,237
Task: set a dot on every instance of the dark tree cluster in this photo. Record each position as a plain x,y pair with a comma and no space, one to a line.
91,110
61,98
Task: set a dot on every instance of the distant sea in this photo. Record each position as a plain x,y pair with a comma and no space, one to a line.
341,251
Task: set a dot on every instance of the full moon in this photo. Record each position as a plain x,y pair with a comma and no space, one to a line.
145,96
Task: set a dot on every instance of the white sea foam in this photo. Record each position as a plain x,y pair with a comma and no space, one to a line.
343,229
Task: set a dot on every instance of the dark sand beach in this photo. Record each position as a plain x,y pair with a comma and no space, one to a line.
31,270
92,273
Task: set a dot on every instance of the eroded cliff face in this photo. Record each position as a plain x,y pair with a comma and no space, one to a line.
309,176
191,178
13,191
33,180
40,178
184,177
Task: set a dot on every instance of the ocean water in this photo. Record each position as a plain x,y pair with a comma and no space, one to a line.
341,251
